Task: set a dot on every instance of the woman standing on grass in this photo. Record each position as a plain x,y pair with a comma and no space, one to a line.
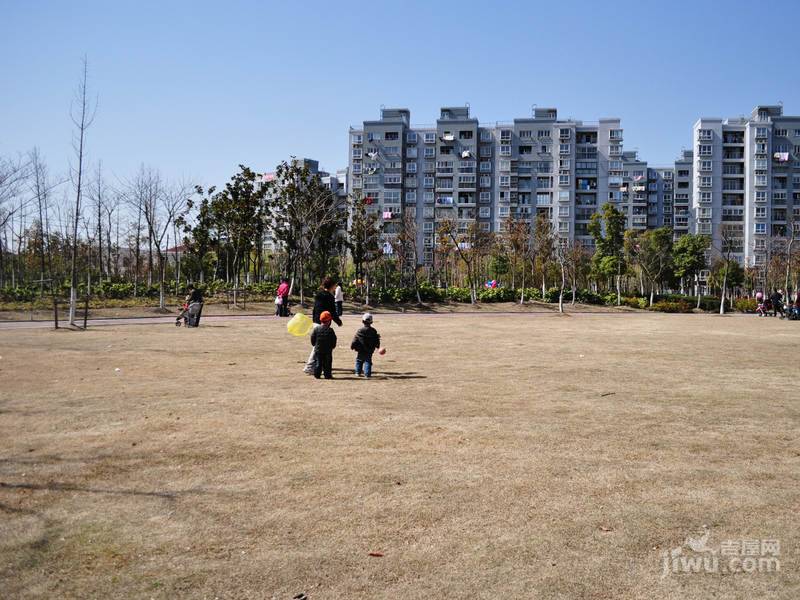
323,301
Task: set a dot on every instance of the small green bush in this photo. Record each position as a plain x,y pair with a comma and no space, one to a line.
670,306
458,294
633,302
496,295
746,305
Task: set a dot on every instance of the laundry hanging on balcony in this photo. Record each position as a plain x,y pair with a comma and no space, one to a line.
465,154
781,156
387,214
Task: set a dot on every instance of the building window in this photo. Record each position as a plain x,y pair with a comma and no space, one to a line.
486,166
564,148
430,152
563,180
505,180
486,151
705,165
505,150
411,167
486,181
760,228
465,134
563,211
429,138
485,197
427,182
761,212
705,150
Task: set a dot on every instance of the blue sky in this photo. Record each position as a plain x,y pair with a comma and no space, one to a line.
195,88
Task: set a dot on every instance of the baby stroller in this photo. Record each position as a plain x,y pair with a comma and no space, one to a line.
191,318
761,309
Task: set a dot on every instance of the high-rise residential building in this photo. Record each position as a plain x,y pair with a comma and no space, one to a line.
747,181
682,194
462,170
740,183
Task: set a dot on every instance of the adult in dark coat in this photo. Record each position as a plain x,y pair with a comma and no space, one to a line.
323,301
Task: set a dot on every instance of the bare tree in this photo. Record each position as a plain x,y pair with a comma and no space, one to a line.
162,206
82,114
13,174
470,246
404,245
40,188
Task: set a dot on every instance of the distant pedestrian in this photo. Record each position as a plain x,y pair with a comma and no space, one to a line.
338,297
283,294
323,338
777,303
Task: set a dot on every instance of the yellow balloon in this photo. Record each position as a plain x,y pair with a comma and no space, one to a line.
299,325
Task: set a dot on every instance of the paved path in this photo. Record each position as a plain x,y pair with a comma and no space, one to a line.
168,320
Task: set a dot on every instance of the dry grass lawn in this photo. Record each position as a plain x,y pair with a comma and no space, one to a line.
505,456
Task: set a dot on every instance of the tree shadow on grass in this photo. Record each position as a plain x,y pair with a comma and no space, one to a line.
66,487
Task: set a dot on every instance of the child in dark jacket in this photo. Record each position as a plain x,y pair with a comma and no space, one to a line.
323,338
366,341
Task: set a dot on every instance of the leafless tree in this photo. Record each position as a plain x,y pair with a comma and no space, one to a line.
83,112
163,204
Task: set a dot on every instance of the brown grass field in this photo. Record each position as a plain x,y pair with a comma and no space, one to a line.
492,456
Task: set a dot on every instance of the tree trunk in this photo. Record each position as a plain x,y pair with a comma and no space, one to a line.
724,290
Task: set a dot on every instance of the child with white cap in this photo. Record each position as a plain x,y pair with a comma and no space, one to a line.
365,342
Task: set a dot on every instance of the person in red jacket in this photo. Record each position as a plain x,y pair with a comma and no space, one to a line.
283,294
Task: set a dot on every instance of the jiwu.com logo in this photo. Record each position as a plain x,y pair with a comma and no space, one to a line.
695,555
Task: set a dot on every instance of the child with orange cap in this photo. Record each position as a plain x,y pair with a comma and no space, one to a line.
323,338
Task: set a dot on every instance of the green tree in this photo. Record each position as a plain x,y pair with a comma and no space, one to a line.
607,227
200,236
651,251
363,238
689,258
237,210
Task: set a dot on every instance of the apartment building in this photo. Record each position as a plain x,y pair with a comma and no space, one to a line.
746,191
462,170
682,195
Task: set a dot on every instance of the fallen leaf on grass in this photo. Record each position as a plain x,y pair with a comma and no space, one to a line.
376,554
602,528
